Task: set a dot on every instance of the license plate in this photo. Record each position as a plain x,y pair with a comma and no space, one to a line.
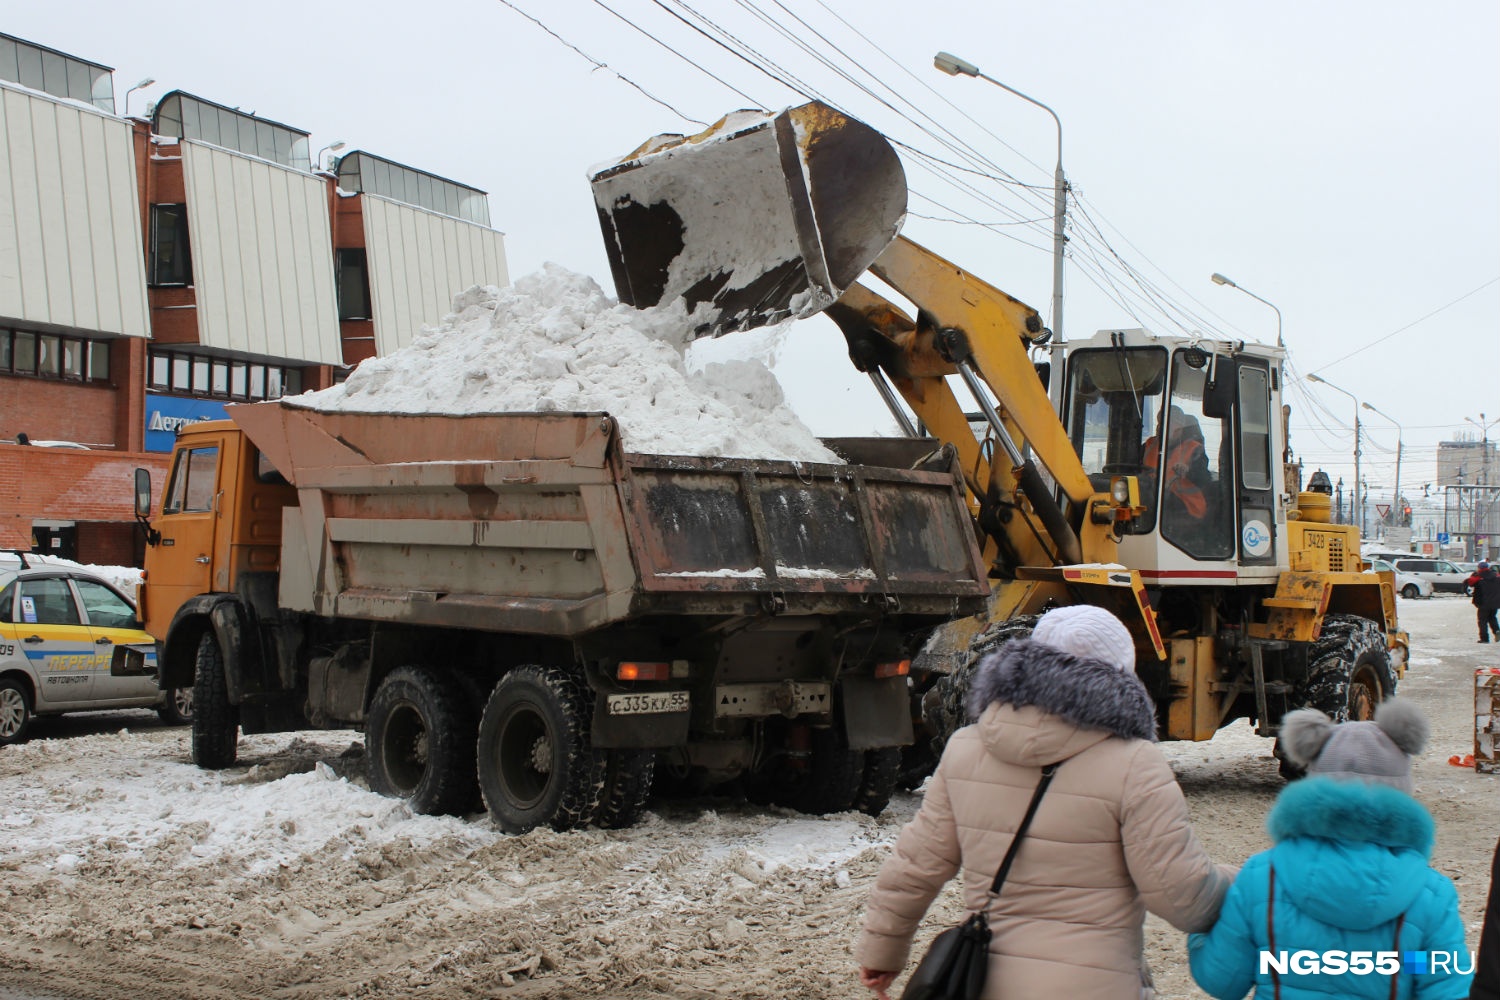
648,703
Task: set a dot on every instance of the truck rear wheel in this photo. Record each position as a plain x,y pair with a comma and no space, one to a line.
216,723
882,772
628,776
1348,674
536,764
420,737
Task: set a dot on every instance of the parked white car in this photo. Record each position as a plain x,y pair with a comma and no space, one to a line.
1408,585
61,630
1445,576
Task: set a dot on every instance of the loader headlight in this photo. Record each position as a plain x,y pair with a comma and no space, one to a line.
1119,490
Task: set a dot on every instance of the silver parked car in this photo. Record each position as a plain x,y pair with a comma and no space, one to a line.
61,630
1444,575
1408,585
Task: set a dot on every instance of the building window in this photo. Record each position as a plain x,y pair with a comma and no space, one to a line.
171,259
207,377
353,283
49,355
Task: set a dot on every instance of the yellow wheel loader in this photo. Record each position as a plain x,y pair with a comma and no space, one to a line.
1157,487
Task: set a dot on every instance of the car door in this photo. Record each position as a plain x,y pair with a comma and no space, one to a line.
189,517
112,624
1448,577
59,648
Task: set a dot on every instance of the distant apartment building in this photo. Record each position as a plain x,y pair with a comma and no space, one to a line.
1468,461
153,269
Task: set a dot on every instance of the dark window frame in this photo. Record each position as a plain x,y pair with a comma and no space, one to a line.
90,366
178,265
185,371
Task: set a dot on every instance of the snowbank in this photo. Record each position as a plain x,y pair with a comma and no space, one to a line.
554,341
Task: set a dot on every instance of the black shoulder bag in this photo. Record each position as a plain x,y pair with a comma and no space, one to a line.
955,965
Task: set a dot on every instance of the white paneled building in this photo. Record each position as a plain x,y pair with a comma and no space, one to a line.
154,270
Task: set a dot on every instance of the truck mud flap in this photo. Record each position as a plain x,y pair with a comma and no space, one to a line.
655,730
877,712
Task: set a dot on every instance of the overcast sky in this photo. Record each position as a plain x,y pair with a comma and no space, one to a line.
1339,160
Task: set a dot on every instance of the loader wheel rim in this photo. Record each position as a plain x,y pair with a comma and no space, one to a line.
12,712
403,748
1364,695
524,756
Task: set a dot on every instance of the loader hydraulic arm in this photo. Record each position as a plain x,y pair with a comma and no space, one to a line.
968,328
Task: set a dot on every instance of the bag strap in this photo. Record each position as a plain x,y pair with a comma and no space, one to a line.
1271,931
1396,979
1015,844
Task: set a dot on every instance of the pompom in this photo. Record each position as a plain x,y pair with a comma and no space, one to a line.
1304,734
1404,724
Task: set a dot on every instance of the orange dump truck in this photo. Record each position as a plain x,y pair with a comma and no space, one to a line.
512,606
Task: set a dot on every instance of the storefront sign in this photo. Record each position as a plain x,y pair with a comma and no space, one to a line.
164,414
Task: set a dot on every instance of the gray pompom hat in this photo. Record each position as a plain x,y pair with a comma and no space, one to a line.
1378,752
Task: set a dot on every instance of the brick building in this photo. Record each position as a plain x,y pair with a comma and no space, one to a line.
153,269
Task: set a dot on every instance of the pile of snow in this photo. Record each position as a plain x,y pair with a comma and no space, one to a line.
554,341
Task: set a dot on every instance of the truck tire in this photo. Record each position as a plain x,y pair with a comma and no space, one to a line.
1348,674
216,723
15,711
882,772
536,765
825,780
419,739
177,710
628,775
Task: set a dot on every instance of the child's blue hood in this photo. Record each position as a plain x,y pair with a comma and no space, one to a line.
1349,854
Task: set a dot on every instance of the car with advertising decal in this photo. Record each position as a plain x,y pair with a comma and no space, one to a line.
70,642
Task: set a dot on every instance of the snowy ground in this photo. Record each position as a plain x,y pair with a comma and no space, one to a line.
127,872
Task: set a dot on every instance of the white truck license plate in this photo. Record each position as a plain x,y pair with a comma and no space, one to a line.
648,703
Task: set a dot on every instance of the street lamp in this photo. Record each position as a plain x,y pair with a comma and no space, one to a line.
1358,497
1484,442
954,66
1396,500
1219,279
148,81
333,147
1484,457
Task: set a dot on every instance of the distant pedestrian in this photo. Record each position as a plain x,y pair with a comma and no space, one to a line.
1348,876
1110,840
1486,600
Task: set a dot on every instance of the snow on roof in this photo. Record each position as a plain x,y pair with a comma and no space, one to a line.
554,341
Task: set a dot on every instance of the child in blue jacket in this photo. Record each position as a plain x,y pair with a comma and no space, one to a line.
1348,874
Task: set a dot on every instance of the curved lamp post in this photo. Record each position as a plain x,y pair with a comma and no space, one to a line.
1358,495
954,66
1219,279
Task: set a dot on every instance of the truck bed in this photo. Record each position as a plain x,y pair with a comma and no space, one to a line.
541,523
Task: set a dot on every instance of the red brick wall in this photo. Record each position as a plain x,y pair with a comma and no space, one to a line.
49,410
67,484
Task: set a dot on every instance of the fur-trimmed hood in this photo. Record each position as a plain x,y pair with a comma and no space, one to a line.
1349,853
1088,693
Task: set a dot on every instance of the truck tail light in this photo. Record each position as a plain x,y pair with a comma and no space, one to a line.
898,668
635,670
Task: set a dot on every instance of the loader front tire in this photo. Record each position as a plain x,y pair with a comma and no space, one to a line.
216,723
419,737
536,763
1348,674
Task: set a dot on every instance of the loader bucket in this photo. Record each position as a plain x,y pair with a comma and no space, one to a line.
761,218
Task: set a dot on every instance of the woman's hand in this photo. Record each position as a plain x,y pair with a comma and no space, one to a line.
877,981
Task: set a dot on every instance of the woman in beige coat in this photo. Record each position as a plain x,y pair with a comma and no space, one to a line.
1110,840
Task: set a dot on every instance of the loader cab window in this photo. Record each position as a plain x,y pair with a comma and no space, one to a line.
192,484
1192,467
1114,413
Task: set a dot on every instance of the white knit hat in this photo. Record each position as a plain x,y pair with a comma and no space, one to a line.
1089,633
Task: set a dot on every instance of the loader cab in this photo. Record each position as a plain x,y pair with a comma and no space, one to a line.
1192,420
